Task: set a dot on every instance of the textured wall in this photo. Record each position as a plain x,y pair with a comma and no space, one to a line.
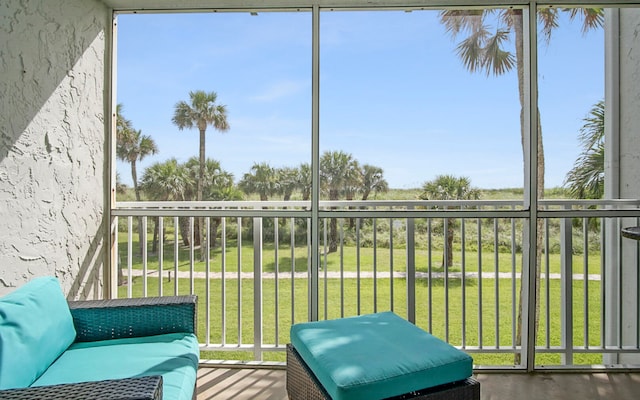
629,104
52,143
629,170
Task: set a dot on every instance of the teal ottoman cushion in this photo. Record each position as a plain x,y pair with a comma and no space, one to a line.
377,356
35,328
175,356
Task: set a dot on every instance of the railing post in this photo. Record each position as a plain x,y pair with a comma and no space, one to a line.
566,297
257,288
411,269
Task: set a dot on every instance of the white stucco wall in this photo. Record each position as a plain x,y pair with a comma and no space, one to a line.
629,169
52,143
622,178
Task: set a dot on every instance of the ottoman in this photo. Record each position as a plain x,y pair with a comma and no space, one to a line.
375,356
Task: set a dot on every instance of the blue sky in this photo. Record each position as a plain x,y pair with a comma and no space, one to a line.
393,93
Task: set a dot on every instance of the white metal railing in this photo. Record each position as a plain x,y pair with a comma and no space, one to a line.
390,255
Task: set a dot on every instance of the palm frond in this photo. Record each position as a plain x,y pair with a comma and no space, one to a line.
497,60
592,18
548,18
472,52
457,21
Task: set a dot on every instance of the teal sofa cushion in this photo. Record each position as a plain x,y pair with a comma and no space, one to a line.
377,356
175,356
35,328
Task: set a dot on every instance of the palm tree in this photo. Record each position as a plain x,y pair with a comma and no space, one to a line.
132,146
219,186
304,180
586,178
202,112
121,122
449,187
373,181
336,170
261,180
165,181
287,181
484,51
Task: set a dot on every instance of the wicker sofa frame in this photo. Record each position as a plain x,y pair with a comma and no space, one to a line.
302,384
113,319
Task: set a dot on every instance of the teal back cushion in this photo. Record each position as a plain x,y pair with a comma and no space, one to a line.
35,328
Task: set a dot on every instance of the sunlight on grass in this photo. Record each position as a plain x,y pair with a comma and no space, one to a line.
284,302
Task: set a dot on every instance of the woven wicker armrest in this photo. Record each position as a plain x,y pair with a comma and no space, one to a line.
145,388
123,318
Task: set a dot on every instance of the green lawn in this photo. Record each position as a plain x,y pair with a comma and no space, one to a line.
279,311
346,261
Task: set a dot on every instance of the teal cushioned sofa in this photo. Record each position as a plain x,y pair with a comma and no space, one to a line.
111,349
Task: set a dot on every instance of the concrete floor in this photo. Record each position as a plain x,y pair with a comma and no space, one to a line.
270,384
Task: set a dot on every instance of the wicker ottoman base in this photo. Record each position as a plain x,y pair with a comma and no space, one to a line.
303,385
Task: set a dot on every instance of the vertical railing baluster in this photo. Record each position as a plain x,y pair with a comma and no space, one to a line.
207,283
326,282
391,294
514,299
324,265
115,237
176,253
547,286
358,299
276,247
129,257
430,274
257,288
143,246
160,253
411,270
375,263
192,261
341,270
239,277
310,253
445,261
585,288
293,270
566,260
223,281
603,283
496,267
463,280
480,283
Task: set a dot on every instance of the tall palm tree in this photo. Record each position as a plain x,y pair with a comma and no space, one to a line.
201,112
132,146
484,50
586,178
336,170
449,187
261,180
